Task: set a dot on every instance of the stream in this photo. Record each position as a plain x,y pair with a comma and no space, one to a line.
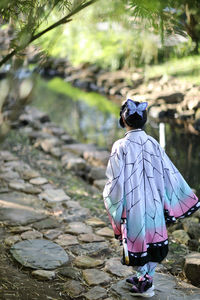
92,118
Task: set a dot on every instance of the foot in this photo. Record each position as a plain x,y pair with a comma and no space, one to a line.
144,287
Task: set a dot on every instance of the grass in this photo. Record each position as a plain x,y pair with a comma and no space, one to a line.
187,69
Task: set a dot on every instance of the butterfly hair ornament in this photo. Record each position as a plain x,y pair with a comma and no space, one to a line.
132,108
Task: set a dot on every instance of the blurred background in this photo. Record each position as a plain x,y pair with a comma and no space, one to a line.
78,61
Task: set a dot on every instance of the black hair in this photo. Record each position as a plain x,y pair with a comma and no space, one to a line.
135,120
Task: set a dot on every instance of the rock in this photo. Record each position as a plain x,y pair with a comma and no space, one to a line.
96,277
9,241
19,229
96,293
73,288
181,236
52,234
35,114
194,245
48,144
77,215
7,156
189,222
67,139
54,196
8,176
24,187
56,152
20,209
31,235
48,223
172,98
87,262
79,149
91,249
67,157
28,174
95,222
66,240
90,238
72,204
100,184
97,173
78,228
106,231
157,112
192,268
97,158
76,164
115,267
194,230
43,274
69,272
38,181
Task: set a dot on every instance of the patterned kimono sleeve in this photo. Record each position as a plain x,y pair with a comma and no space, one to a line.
114,189
179,199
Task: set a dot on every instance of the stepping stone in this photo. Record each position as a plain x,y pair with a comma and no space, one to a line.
90,238
66,240
96,277
24,187
91,249
78,228
106,231
38,180
11,240
20,209
31,235
52,234
115,267
87,262
70,272
39,254
73,288
95,222
96,293
48,223
43,274
19,229
54,196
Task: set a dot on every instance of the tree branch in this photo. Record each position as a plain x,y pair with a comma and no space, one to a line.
64,20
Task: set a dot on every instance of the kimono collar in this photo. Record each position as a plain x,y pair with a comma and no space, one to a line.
133,130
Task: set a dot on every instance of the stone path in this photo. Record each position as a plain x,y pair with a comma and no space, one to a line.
50,235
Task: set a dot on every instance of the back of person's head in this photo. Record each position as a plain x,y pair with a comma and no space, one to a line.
134,113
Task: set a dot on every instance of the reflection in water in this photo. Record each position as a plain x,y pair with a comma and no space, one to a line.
92,118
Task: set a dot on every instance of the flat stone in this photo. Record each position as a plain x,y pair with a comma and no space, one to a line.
70,272
73,288
95,277
38,180
7,156
97,158
181,236
11,240
66,158
39,254
56,152
67,139
115,267
24,187
76,164
192,267
87,262
54,196
97,173
77,215
91,249
100,184
48,144
9,175
66,240
48,223
52,234
31,235
95,222
79,149
106,231
43,274
19,229
20,209
90,238
96,293
72,204
78,228
28,174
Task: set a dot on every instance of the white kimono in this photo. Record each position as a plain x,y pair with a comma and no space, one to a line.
144,185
